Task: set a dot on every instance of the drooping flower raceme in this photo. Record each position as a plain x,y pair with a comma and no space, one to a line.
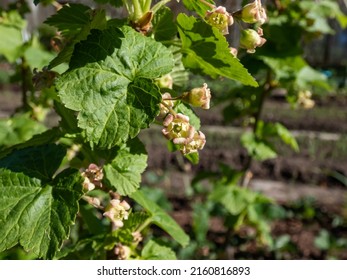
117,211
198,97
219,18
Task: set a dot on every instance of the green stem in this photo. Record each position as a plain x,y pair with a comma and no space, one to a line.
138,12
25,87
207,4
169,108
147,6
128,6
157,6
266,90
144,225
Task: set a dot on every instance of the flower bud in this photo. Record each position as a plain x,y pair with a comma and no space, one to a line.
198,97
165,81
220,19
233,51
93,201
137,236
122,252
252,13
166,103
250,39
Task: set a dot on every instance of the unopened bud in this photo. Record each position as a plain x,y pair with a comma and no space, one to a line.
252,13
165,81
122,252
250,39
220,19
137,236
166,104
93,201
233,51
198,97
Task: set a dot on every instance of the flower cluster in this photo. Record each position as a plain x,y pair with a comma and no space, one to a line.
252,13
305,99
93,176
178,129
117,211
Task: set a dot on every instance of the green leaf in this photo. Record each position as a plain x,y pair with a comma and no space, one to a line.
46,137
90,49
266,131
284,67
179,74
70,19
231,197
185,109
116,97
11,43
88,19
124,172
197,6
205,48
193,157
201,221
320,13
163,26
161,218
308,77
286,136
37,216
91,219
40,162
236,199
154,251
322,241
18,128
257,148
